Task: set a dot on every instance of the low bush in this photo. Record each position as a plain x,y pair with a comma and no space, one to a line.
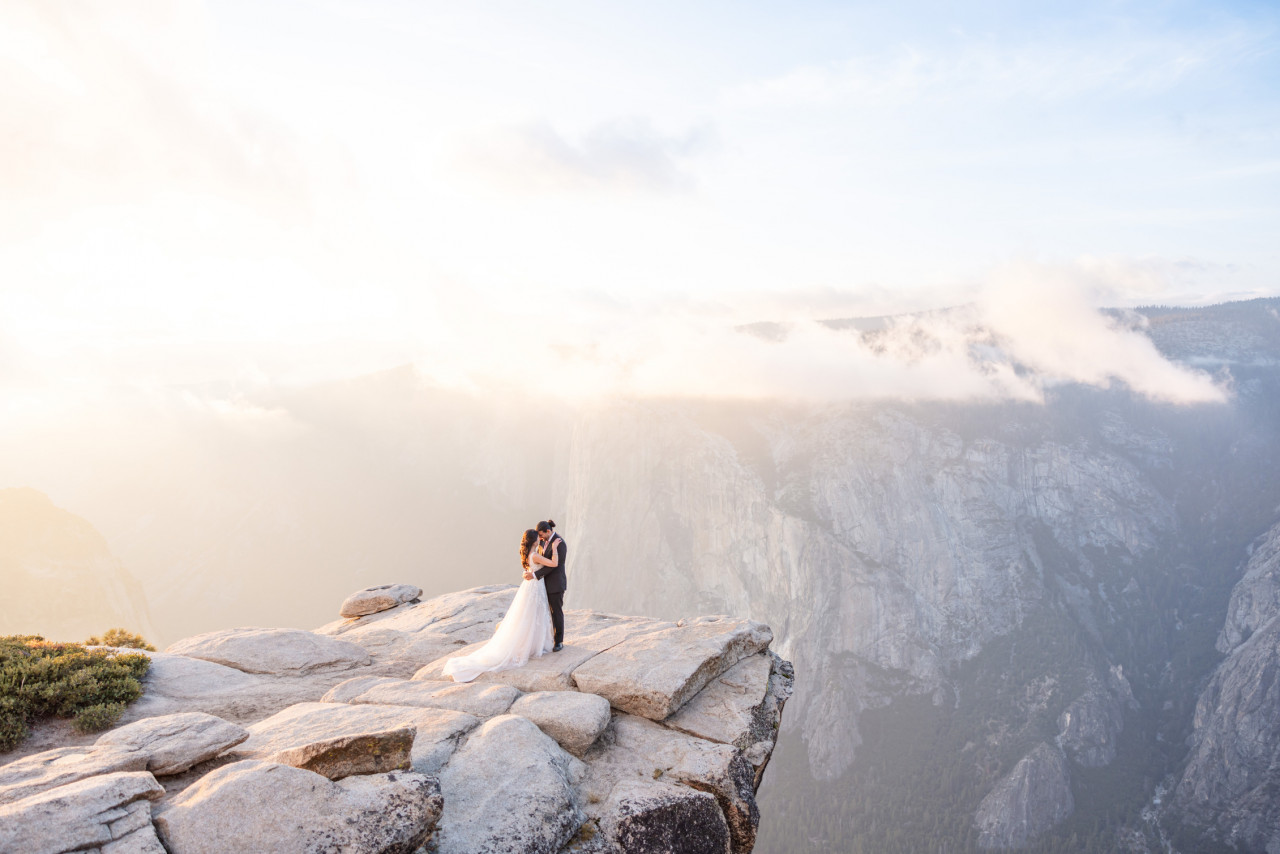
120,637
97,717
40,679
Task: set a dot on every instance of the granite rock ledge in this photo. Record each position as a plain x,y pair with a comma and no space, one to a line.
636,729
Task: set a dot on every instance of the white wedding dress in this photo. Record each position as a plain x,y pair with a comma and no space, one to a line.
524,633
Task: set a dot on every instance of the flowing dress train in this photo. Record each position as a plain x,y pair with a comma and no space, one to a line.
524,633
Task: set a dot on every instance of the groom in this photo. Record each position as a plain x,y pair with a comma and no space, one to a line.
555,577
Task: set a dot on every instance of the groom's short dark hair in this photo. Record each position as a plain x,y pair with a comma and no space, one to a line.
545,526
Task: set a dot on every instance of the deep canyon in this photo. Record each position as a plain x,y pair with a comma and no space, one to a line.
1040,625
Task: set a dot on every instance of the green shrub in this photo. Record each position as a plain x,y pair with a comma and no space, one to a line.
13,727
120,637
97,717
40,679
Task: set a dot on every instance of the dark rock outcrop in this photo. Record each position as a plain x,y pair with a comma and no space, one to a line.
1090,725
1030,799
665,819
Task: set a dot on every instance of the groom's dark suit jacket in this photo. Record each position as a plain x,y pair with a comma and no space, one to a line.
557,581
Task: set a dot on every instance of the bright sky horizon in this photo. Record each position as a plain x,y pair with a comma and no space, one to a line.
288,192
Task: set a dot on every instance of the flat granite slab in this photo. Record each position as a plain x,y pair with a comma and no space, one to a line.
587,634
176,683
483,701
400,653
726,710
655,673
61,766
280,652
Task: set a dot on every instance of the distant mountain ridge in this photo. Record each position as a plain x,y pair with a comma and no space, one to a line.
59,576
1243,332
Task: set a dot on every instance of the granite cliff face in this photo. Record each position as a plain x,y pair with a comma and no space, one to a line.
1032,575
640,736
59,576
877,541
1230,785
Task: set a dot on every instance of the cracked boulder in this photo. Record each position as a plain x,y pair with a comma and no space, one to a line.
663,818
637,749
437,731
173,743
348,755
110,813
509,788
573,719
264,806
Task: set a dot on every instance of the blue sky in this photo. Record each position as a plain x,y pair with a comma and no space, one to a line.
840,146
288,191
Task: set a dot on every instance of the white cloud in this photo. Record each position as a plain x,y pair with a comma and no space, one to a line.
1030,327
988,71
1045,318
623,154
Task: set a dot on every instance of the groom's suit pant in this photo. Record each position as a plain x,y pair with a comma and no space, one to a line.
556,600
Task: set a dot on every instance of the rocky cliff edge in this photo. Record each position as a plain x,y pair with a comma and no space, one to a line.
639,736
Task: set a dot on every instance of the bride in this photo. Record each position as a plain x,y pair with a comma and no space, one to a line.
525,631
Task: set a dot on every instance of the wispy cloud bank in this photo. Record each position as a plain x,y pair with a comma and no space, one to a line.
1030,327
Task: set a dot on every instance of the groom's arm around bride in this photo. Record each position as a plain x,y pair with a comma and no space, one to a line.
538,558
552,570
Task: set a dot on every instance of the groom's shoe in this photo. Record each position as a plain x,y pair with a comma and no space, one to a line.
557,647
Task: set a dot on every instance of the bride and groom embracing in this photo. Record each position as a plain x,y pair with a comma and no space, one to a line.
534,624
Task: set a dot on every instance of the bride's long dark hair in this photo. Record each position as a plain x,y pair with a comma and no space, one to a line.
526,545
